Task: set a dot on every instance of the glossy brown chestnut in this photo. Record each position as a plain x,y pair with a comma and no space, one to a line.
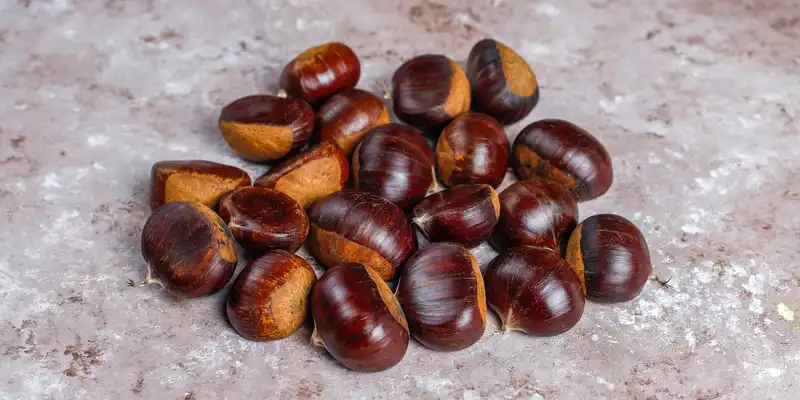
533,290
263,127
428,91
535,212
472,149
611,258
264,219
442,295
269,299
564,153
395,162
503,84
193,180
465,214
353,226
346,117
357,319
321,71
310,174
188,250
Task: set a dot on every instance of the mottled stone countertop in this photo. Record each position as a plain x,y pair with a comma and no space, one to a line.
697,100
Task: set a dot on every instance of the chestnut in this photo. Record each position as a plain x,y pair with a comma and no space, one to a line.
472,149
320,72
193,180
503,84
465,214
430,90
188,250
353,226
611,258
395,162
346,117
564,153
535,212
357,319
533,290
310,174
264,219
442,295
269,298
263,127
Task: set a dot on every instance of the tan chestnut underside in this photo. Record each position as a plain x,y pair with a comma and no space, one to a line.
459,99
575,255
312,180
192,186
519,76
495,202
289,304
220,233
481,296
446,159
258,142
534,165
388,298
333,249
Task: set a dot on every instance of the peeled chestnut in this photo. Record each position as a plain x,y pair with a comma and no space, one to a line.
321,71
611,258
442,295
563,153
353,226
263,127
310,174
193,180
188,250
357,319
395,162
535,212
465,214
268,300
533,290
472,149
430,90
346,117
503,84
264,219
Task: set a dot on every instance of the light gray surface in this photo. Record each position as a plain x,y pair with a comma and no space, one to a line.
697,100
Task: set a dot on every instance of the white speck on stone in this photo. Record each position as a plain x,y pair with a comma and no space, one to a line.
178,147
177,88
755,306
100,167
51,181
81,173
547,9
535,48
462,18
21,106
537,396
162,45
595,337
607,384
785,312
748,123
650,309
653,159
611,106
673,154
69,34
755,284
97,140
690,339
692,229
300,24
497,3
769,373
625,318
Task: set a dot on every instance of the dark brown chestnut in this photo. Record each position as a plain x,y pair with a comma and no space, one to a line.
465,214
193,180
321,71
310,174
357,319
430,90
533,290
264,219
346,117
395,162
611,258
472,149
503,84
535,212
188,250
564,153
353,226
442,295
269,299
263,127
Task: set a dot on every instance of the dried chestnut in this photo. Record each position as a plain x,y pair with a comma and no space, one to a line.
269,299
321,71
346,117
442,295
310,174
395,162
535,212
472,149
503,84
533,290
611,258
357,319
263,127
193,180
465,214
564,153
353,226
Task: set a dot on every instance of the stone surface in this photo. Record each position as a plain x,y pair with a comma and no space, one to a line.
695,99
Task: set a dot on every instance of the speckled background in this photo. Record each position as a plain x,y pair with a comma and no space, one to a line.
697,100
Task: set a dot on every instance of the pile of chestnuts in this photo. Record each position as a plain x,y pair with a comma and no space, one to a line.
355,187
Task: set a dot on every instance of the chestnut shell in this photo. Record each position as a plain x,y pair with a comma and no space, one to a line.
346,117
472,149
465,214
321,71
193,180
